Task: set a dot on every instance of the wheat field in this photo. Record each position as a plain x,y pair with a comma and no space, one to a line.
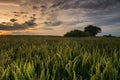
59,58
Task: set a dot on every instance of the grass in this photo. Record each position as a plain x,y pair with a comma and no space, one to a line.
59,58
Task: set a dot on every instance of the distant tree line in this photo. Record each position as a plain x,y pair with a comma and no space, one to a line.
109,35
90,30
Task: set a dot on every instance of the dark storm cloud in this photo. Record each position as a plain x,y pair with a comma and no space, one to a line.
66,4
97,12
87,4
17,26
51,5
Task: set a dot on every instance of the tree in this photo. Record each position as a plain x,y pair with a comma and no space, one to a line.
109,35
92,30
76,33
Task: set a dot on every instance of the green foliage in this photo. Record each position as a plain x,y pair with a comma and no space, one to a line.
92,30
76,33
109,35
58,58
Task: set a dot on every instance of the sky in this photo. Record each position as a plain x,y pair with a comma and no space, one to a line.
56,17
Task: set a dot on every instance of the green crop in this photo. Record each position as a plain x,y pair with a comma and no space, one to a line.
59,58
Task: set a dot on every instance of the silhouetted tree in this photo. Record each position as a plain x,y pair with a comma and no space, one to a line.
92,30
76,33
109,35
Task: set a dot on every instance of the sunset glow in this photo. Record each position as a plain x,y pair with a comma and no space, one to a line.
53,16
5,33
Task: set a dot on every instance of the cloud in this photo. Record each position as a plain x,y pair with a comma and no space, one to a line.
47,28
73,23
87,4
10,1
68,13
53,5
20,12
50,23
16,26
